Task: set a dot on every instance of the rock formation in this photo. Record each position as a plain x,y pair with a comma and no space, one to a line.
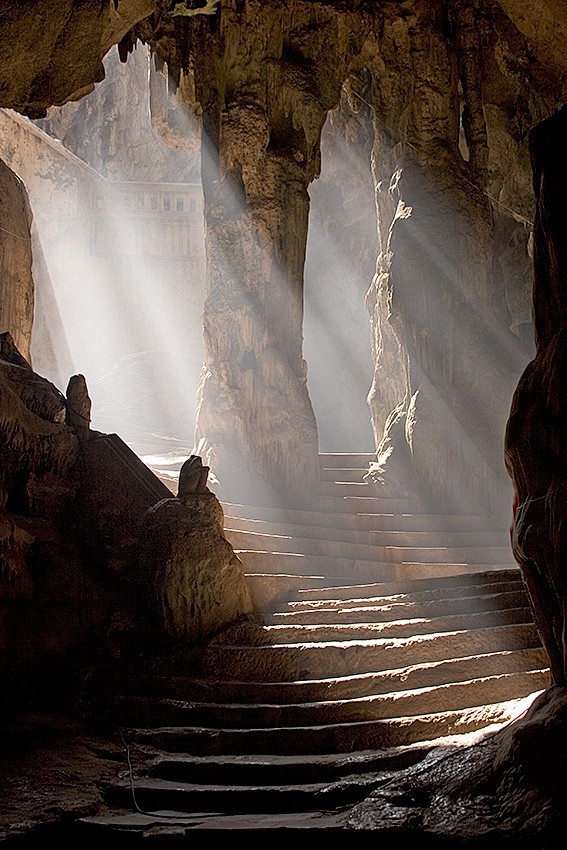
535,435
16,287
195,582
452,90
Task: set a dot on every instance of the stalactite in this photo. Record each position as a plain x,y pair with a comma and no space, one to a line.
468,51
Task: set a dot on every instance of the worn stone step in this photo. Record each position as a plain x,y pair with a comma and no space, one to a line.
250,540
289,662
363,628
330,738
455,554
367,520
346,460
152,712
349,473
405,522
409,677
360,489
313,532
351,571
380,611
441,539
354,504
156,794
133,830
422,591
284,769
466,584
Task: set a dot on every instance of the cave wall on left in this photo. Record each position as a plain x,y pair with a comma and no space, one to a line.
53,602
16,281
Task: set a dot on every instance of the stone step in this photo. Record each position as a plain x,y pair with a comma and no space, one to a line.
369,537
445,539
353,504
398,521
330,738
250,540
365,628
309,532
297,661
284,769
350,571
151,712
375,610
455,554
410,677
160,794
341,473
360,489
463,585
346,460
446,523
134,830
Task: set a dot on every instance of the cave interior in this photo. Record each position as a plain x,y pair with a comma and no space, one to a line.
243,242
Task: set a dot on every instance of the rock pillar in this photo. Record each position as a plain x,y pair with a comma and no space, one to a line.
254,414
266,77
537,431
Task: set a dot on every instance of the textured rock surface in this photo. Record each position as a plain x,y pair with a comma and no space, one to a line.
264,85
194,577
52,51
536,432
449,302
16,286
111,128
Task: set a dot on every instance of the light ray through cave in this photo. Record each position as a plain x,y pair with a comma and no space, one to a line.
140,385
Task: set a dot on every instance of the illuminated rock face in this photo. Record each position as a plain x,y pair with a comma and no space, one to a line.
449,303
196,582
263,110
16,282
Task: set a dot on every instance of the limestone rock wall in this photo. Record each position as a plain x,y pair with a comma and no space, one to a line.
264,84
111,128
450,301
52,50
16,281
535,431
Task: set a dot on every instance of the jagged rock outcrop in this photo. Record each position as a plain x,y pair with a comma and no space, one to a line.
449,302
119,143
52,50
195,581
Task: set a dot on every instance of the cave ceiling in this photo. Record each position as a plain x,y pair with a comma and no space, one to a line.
52,50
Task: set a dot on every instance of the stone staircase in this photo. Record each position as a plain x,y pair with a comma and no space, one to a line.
389,637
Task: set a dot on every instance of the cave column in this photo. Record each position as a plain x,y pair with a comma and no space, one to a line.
255,423
265,79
